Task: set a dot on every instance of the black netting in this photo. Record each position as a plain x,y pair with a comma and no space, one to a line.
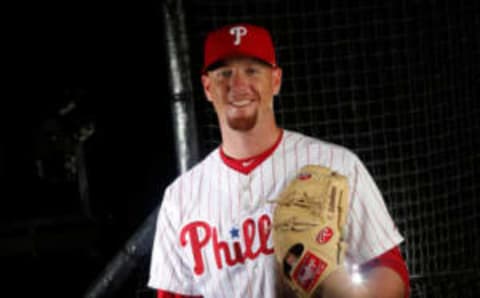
398,83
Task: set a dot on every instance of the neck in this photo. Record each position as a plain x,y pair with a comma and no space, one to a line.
241,144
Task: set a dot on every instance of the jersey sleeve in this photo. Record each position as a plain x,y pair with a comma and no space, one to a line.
371,230
168,268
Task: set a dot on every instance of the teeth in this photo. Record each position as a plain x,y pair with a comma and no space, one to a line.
240,103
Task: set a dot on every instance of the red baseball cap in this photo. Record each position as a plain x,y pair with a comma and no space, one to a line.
238,40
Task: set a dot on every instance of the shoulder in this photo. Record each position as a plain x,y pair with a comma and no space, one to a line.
300,139
321,151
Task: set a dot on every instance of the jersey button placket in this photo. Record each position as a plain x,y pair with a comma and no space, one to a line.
246,197
245,193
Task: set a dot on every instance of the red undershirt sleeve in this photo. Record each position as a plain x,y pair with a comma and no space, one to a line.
392,259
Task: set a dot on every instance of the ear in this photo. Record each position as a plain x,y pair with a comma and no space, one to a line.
206,82
276,80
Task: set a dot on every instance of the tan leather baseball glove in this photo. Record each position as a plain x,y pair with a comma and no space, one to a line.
308,224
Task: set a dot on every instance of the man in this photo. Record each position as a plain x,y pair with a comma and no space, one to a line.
213,230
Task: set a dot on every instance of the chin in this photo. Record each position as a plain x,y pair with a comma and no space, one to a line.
242,124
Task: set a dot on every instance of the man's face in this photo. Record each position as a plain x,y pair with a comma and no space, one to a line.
242,91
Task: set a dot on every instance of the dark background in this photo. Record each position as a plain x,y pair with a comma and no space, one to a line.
395,81
107,59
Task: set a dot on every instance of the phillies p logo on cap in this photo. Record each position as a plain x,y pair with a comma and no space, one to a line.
235,40
238,32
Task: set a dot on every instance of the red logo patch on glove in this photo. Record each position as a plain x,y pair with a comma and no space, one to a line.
304,176
309,271
324,235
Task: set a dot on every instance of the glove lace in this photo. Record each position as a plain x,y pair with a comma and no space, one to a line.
293,224
302,200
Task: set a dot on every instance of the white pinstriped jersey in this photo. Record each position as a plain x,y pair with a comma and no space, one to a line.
212,236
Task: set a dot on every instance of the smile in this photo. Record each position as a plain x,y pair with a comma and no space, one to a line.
241,103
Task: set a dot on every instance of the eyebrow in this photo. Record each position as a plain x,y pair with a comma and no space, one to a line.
222,63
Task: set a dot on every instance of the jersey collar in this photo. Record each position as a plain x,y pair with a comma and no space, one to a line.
247,165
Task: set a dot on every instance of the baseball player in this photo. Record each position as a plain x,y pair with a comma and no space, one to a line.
214,228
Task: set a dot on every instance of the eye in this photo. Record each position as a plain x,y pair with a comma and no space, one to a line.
251,70
224,73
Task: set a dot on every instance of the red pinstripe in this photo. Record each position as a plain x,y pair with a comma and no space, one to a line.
361,241
170,275
379,204
331,157
356,223
376,233
230,196
200,186
296,152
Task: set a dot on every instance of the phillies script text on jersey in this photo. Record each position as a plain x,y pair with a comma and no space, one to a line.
201,234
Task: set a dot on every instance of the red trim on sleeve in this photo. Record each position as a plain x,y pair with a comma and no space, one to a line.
392,259
165,294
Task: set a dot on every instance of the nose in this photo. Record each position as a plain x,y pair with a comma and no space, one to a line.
239,82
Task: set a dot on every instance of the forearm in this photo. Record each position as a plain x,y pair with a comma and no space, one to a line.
339,284
380,282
